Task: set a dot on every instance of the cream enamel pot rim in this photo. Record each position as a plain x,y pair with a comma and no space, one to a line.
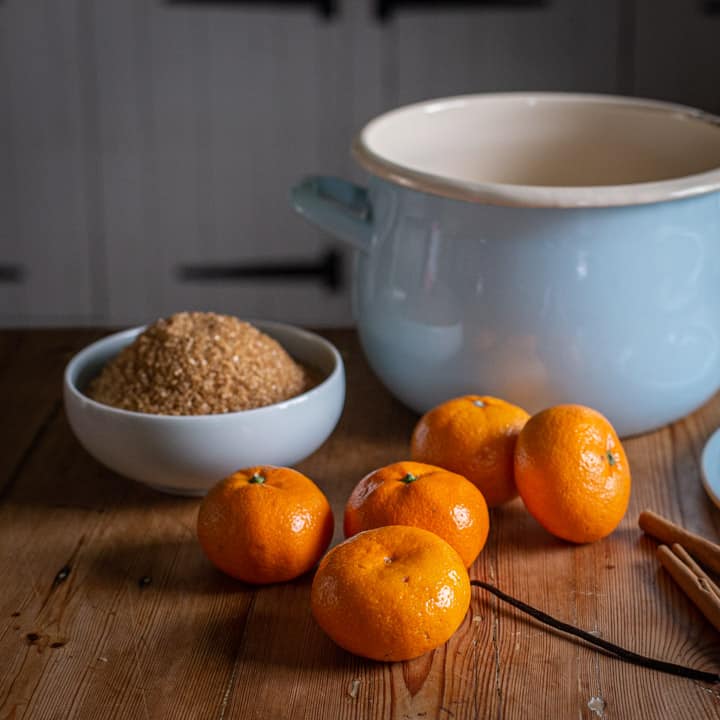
385,147
542,247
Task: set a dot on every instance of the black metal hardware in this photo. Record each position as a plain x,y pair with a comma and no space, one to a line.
328,270
711,7
326,8
11,274
384,9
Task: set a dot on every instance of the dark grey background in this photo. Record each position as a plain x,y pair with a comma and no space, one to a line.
139,136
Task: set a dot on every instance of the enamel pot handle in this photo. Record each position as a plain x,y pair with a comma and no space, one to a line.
338,206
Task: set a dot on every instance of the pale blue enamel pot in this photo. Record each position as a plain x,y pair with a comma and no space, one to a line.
544,248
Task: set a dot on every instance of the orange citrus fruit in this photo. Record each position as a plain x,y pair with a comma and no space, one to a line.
474,436
392,593
425,496
572,473
265,524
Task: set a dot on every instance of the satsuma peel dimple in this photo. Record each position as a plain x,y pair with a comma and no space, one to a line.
425,496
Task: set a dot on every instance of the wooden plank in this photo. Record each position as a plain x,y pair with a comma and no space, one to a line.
93,641
677,53
198,155
9,342
12,295
254,69
31,367
83,635
126,147
176,99
45,178
448,51
652,617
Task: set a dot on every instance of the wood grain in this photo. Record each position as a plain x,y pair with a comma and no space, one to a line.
494,48
29,404
44,200
109,610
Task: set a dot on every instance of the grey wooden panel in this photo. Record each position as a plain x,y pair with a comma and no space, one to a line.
677,53
207,116
45,218
565,45
120,40
176,101
263,106
264,74
12,295
356,84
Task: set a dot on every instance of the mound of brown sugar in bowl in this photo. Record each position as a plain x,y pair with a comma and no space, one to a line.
199,364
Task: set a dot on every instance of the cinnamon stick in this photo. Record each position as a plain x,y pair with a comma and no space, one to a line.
708,553
703,597
705,580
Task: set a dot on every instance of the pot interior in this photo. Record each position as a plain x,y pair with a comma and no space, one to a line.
549,140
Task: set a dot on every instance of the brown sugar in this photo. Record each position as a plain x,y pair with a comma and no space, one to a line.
199,364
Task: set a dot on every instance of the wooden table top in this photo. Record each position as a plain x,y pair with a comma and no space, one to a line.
109,609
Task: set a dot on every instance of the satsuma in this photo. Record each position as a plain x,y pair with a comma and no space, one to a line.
392,593
265,524
474,436
572,473
425,496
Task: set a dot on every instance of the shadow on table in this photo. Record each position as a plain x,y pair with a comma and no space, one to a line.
60,473
259,627
514,532
281,631
168,565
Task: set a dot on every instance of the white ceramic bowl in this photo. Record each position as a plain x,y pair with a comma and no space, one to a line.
186,455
